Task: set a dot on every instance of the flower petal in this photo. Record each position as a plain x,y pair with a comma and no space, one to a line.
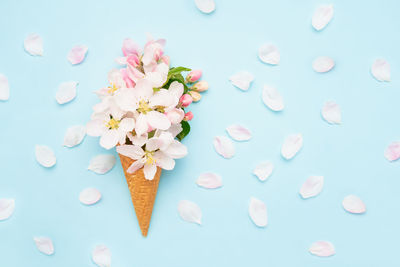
74,135
258,212
392,152
269,53
102,163
109,139
136,165
131,151
164,161
101,255
149,171
238,132
323,64
33,44
205,6
272,98
322,249
331,113
312,186
189,211
176,150
44,245
242,80
209,180
263,170
224,146
322,16
158,120
77,54
4,88
89,196
45,156
66,92
7,207
291,145
353,204
381,70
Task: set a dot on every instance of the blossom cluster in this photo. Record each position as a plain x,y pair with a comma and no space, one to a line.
142,110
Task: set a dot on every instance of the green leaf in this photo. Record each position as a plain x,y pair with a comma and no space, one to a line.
185,130
177,70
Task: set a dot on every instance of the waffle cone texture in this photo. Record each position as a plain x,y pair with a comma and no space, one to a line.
143,192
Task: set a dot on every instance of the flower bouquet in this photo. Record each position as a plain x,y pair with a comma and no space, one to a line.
142,114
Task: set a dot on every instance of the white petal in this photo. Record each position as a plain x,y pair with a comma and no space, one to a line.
4,88
189,211
353,204
176,150
381,70
66,92
258,212
272,98
331,113
33,44
102,164
89,196
131,151
242,80
263,170
205,6
224,146
392,152
45,156
158,120
323,64
269,53
238,132
109,139
149,171
322,249
163,161
77,54
322,16
74,135
209,180
44,245
291,145
312,186
6,208
101,255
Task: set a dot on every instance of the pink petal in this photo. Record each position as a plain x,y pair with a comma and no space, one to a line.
258,212
331,113
263,170
322,16
7,207
291,146
189,211
323,64
89,196
353,204
209,180
224,146
322,249
381,70
272,98
44,245
312,186
77,54
238,132
242,80
269,54
4,88
33,44
66,92
392,152
205,6
101,255
129,47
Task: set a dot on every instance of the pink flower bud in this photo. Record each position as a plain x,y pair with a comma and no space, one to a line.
188,116
129,47
133,60
200,86
195,95
186,100
129,83
193,76
165,59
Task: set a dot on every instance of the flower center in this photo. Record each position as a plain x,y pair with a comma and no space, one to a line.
112,89
143,107
112,124
149,157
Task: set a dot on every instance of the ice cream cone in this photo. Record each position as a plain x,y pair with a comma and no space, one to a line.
143,192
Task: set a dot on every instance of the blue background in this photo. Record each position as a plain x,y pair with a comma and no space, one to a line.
349,156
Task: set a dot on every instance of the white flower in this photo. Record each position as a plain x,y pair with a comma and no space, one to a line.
116,81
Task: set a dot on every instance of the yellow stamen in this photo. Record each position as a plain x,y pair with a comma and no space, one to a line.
144,107
149,157
113,124
112,89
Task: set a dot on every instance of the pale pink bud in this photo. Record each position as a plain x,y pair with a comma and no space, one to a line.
186,100
195,95
165,59
200,86
193,76
188,116
128,81
129,47
133,60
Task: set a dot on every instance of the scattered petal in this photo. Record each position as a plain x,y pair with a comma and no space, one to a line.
189,211
312,186
89,196
209,180
66,92
33,44
7,207
102,163
45,156
205,6
392,152
331,113
74,135
258,212
238,132
272,98
4,88
353,204
263,170
77,54
322,16
291,145
44,245
381,70
242,80
323,64
101,255
224,146
269,53
322,249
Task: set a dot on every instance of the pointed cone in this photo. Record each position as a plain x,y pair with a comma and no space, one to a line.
143,192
